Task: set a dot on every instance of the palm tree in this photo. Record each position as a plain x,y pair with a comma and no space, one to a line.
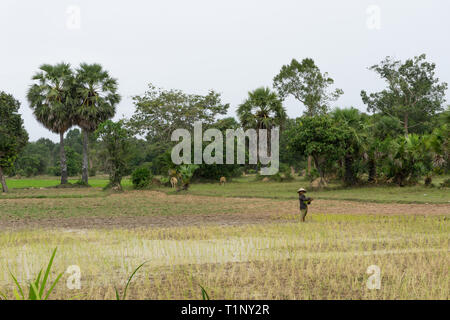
356,124
262,109
50,100
97,98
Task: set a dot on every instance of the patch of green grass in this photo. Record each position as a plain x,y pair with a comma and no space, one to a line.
247,187
48,182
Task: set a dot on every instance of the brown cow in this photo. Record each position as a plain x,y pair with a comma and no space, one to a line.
173,182
223,180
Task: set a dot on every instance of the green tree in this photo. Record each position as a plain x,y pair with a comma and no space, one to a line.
97,97
321,138
407,159
51,102
308,85
305,82
13,136
356,145
159,112
115,139
413,94
262,110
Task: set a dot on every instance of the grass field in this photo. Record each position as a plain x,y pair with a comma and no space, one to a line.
239,241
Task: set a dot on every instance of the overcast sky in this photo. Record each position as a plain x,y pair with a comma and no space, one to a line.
231,46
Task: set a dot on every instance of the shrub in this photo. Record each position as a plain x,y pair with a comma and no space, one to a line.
446,183
92,172
141,178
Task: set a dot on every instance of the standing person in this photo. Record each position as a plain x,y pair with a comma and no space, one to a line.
304,202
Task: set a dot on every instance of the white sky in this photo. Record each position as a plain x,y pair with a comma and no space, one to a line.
230,46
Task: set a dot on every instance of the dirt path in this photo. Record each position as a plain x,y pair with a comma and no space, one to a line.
184,211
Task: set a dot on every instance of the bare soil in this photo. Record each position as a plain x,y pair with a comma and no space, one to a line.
216,211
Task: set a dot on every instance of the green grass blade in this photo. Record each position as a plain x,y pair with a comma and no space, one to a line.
3,296
35,290
117,294
44,280
204,294
129,280
31,294
17,285
16,294
53,286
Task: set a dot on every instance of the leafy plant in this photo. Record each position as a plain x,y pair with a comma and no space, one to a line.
141,178
124,295
37,286
205,295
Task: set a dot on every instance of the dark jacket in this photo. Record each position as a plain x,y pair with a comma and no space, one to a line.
303,201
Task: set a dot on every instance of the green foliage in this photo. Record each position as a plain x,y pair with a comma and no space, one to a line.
205,295
124,295
305,82
36,290
115,138
186,172
13,136
141,178
51,100
159,112
413,94
261,110
407,159
320,137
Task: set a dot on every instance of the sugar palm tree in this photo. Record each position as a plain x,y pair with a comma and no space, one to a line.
50,100
357,142
262,109
97,98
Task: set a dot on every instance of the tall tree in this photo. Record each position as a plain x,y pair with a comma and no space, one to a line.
13,136
115,138
159,112
357,143
321,138
97,97
413,91
262,109
308,85
51,102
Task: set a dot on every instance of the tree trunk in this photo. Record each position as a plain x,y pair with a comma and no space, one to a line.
84,171
372,170
349,176
3,181
62,154
321,173
405,124
309,164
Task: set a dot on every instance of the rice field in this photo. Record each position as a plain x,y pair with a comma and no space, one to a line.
236,248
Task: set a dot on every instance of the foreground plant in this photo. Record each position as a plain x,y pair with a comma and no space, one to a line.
205,295
37,287
124,295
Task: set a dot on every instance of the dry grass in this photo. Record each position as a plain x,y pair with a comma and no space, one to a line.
325,258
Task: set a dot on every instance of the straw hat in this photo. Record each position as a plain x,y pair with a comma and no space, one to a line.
300,190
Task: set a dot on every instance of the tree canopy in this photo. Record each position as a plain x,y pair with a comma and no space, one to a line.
13,136
307,84
413,92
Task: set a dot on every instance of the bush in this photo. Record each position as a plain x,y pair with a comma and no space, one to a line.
92,172
141,178
446,183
